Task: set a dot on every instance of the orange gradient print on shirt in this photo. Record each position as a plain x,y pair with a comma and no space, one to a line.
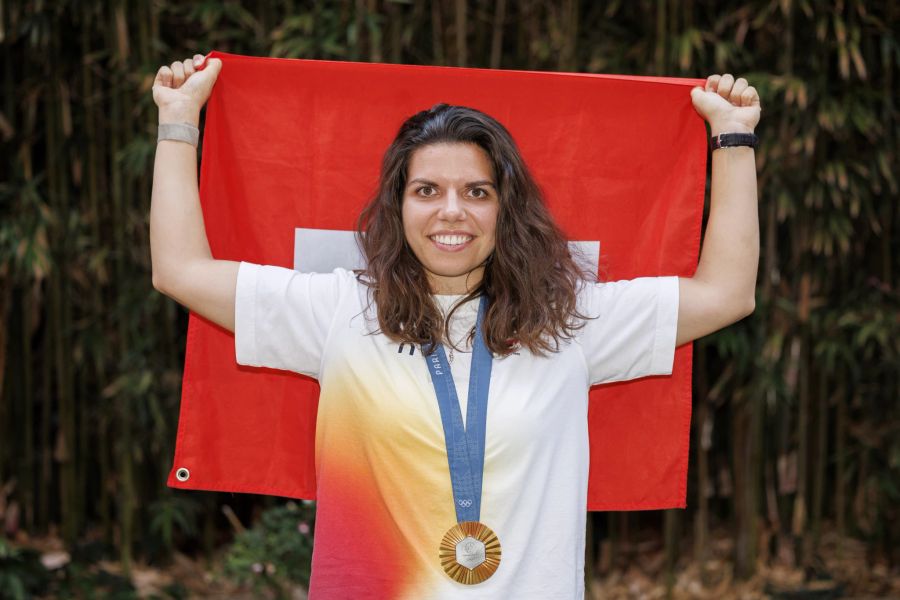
297,144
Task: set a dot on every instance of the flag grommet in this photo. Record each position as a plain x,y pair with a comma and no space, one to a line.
182,474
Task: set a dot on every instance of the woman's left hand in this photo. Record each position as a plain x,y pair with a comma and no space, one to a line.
728,105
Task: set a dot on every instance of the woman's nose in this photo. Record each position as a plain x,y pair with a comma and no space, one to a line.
451,207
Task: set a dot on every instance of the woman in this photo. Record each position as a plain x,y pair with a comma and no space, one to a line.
425,488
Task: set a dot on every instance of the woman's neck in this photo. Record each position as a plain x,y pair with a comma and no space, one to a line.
455,285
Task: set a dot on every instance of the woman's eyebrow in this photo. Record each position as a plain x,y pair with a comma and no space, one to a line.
469,184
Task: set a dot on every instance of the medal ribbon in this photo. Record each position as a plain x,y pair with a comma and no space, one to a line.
465,444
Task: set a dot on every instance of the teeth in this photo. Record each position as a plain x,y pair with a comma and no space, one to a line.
451,240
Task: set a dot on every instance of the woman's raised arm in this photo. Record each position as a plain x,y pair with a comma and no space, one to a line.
183,267
722,289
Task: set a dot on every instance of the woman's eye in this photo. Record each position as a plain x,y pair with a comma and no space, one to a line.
428,191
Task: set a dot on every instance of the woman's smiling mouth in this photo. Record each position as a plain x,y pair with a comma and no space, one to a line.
451,243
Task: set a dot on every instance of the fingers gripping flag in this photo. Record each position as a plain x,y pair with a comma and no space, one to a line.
294,146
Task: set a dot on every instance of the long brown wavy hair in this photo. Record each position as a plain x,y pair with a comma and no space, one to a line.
530,278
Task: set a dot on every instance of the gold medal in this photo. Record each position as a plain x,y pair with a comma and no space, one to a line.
470,552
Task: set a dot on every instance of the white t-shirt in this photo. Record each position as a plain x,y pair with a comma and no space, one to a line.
383,484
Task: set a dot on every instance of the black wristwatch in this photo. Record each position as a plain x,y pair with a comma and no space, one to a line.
729,140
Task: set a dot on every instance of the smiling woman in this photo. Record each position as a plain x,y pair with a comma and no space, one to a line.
460,251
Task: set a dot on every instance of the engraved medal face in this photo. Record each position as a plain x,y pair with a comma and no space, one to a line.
470,552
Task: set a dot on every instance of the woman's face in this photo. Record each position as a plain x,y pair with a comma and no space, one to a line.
450,208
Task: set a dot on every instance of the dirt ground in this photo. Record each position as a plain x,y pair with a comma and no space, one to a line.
843,569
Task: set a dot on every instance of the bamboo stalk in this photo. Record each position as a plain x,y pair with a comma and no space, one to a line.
891,139
821,454
799,522
755,490
659,53
742,435
359,14
28,399
703,442
8,396
840,495
6,278
10,73
461,25
437,33
671,529
532,31
395,46
613,545
68,413
127,495
567,53
57,188
374,34
771,481
497,33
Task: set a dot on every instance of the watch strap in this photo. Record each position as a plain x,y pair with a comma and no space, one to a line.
730,140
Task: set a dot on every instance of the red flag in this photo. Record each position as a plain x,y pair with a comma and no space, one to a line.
297,144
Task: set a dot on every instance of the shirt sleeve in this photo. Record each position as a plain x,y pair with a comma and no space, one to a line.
282,317
632,332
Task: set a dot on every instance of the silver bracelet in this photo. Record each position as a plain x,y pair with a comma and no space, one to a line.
179,132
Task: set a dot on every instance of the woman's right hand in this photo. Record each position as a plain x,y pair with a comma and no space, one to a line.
180,90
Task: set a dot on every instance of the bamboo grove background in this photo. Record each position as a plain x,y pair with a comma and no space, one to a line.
796,414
